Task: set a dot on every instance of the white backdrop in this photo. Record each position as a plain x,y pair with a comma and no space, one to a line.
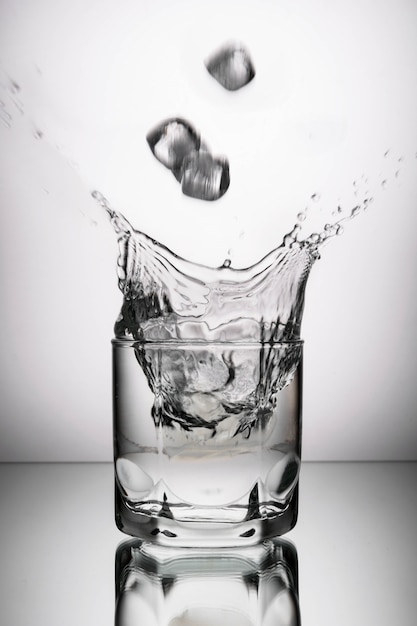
81,85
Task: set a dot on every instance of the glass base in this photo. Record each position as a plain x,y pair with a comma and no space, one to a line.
240,526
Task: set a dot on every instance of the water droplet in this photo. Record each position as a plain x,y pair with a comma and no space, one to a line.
97,195
301,216
397,173
227,263
38,134
339,229
5,117
73,164
384,184
14,87
315,197
339,209
355,211
386,153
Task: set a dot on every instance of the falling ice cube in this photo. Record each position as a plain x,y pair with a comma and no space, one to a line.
205,177
178,146
231,66
171,141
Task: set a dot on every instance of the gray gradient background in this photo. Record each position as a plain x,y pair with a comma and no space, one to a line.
336,87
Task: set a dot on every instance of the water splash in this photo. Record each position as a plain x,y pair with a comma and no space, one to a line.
167,297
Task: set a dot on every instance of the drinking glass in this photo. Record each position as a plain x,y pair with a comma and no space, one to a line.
206,440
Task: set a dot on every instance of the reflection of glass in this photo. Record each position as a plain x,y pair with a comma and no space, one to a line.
252,586
207,440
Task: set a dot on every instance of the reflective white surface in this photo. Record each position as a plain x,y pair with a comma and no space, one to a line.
355,539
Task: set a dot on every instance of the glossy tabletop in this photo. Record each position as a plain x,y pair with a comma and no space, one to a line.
355,542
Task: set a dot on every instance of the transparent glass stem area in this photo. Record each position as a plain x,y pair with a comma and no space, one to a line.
207,440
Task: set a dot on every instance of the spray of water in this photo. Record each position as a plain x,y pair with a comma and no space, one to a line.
166,297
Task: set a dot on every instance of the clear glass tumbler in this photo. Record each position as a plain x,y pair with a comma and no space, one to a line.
207,440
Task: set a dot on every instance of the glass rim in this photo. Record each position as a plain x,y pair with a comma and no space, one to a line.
126,342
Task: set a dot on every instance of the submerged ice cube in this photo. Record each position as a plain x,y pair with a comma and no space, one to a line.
171,141
231,66
218,392
205,177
